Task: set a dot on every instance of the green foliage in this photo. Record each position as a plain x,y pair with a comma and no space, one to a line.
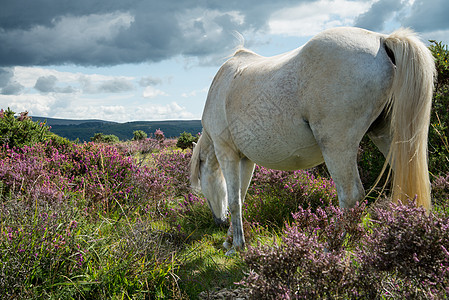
139,135
186,140
370,162
274,195
439,123
104,138
21,130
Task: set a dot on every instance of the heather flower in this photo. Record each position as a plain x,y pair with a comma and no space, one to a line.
159,135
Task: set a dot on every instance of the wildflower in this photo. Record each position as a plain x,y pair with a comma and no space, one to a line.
23,116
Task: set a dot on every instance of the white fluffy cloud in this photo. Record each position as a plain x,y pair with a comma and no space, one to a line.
309,18
151,92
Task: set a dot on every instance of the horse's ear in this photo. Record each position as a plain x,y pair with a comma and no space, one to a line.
194,144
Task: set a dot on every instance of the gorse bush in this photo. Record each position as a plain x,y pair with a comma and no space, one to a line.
439,124
186,140
139,135
20,131
104,138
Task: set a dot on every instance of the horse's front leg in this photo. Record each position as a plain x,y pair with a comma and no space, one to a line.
230,165
228,241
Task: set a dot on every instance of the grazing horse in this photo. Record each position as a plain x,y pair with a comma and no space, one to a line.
313,104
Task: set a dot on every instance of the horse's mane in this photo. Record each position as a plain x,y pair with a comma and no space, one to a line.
240,48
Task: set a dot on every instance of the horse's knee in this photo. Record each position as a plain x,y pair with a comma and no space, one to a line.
234,207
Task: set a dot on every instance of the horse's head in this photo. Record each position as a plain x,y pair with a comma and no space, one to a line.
214,188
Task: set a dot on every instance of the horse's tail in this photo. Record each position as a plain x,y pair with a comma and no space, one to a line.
195,163
411,100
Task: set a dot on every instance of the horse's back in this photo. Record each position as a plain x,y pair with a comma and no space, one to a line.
268,108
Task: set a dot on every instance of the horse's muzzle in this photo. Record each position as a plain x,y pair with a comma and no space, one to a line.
221,222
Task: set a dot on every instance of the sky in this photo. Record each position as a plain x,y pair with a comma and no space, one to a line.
143,60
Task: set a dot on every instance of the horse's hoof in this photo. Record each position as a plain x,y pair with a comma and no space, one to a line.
227,245
231,252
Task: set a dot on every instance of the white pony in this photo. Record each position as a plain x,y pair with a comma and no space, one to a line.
314,104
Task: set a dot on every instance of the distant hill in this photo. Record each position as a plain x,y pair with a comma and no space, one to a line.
85,129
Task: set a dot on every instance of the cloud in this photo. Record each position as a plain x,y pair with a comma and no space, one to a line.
8,85
46,84
151,92
428,15
171,111
5,76
111,32
97,84
379,12
149,81
13,88
307,19
116,85
81,40
195,92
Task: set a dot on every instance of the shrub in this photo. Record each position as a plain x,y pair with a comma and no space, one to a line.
98,173
305,265
159,135
274,195
186,140
175,165
139,135
404,241
104,138
20,131
370,162
439,123
395,252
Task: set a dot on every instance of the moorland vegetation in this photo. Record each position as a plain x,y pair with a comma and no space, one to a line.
112,219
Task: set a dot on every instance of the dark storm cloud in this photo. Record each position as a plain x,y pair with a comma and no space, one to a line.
375,18
111,32
85,32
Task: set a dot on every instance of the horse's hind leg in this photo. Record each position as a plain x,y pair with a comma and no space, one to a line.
341,161
246,173
343,168
380,134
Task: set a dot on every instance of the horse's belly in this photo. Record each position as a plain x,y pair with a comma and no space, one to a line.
303,158
284,149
